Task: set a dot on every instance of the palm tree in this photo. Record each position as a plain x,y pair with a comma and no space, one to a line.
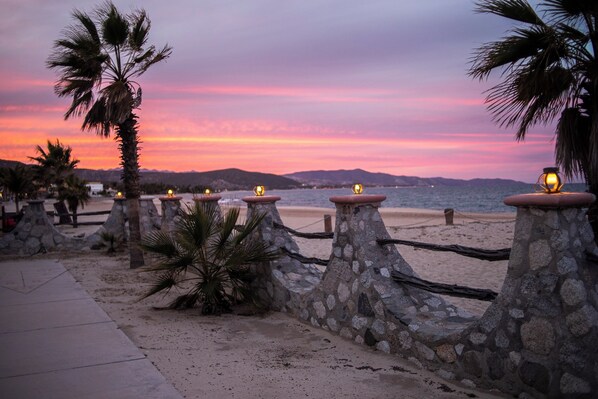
98,60
210,256
18,181
53,163
549,72
74,191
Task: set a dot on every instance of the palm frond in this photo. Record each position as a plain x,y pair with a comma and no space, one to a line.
96,120
510,52
572,136
164,282
250,225
160,243
156,57
115,27
89,26
140,28
517,10
570,10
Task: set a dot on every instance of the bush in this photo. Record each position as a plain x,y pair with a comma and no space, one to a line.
209,255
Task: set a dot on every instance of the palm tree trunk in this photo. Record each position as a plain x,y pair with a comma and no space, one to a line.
127,135
75,223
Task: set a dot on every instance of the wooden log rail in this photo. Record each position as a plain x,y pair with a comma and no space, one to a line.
491,255
61,215
310,236
303,259
445,289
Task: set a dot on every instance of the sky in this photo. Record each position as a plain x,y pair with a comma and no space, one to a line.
283,86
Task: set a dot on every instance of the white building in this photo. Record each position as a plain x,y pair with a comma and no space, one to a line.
95,188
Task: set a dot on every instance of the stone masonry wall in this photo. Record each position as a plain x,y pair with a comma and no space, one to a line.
537,338
36,233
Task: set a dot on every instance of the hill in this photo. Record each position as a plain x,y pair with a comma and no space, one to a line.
225,179
237,179
343,177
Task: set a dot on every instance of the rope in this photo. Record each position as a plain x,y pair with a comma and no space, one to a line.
303,259
482,220
311,236
311,224
484,254
417,223
445,289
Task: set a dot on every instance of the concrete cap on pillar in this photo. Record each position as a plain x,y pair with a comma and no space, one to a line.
263,199
170,198
357,199
207,198
559,200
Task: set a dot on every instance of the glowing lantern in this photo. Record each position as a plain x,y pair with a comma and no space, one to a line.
119,195
170,193
207,191
259,191
550,182
357,188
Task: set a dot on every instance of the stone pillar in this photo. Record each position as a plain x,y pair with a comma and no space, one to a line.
265,205
149,219
282,284
209,201
357,279
115,223
547,312
34,233
171,206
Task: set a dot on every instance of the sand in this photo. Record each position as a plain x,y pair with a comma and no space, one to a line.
274,355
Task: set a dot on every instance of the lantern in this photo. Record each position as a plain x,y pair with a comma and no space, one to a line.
357,188
119,195
550,182
207,191
170,193
259,191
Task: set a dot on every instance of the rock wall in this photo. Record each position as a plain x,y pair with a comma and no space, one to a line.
537,338
35,232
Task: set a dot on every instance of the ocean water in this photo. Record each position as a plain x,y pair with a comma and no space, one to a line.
465,199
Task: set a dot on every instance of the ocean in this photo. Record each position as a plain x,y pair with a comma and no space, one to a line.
464,199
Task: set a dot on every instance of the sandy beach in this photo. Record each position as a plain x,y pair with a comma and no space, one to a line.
273,355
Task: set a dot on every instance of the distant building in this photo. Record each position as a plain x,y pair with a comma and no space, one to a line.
95,188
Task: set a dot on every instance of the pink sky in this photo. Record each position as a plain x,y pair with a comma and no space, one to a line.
280,87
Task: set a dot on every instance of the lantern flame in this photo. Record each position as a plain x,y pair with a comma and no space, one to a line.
357,188
550,182
259,191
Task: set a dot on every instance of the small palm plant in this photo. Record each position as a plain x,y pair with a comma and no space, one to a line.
209,255
75,192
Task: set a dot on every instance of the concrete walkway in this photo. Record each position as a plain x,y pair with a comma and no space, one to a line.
56,342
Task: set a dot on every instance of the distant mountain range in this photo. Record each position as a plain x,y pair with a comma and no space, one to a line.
346,177
237,179
225,179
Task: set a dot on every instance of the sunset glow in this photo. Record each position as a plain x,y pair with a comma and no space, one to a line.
332,85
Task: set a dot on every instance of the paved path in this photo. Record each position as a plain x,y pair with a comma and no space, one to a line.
56,342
